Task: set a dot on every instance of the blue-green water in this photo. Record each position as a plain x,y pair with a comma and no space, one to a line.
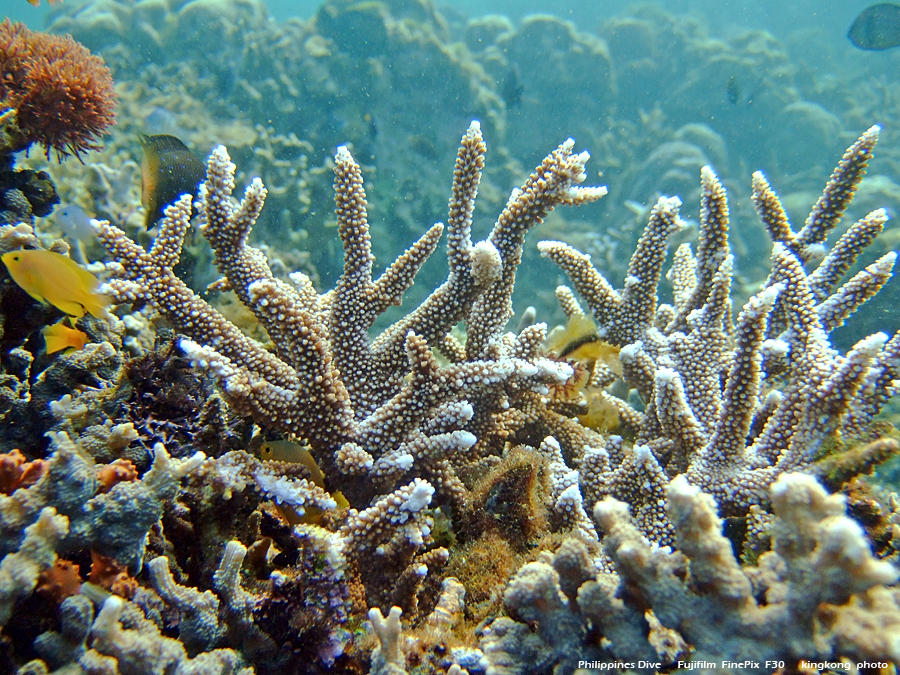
653,91
780,18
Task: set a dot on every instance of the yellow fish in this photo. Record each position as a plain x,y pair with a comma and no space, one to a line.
36,3
313,514
50,277
59,337
579,341
288,451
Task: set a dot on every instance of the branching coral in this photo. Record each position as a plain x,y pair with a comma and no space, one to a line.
735,406
382,409
19,570
663,607
732,409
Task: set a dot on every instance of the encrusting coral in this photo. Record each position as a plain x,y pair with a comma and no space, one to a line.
113,521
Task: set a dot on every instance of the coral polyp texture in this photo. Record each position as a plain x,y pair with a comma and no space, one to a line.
377,413
692,526
733,406
53,92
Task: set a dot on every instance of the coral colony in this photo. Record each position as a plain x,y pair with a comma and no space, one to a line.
61,94
692,529
55,93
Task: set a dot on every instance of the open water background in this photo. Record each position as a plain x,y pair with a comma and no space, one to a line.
813,34
781,18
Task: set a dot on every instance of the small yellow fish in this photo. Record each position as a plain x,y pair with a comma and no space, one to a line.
50,277
313,514
287,451
36,3
59,337
579,342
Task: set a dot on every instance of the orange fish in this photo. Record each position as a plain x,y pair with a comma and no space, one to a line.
59,337
49,277
36,3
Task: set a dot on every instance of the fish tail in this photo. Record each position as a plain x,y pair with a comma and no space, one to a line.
58,338
97,307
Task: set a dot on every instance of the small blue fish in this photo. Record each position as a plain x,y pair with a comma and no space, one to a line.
74,222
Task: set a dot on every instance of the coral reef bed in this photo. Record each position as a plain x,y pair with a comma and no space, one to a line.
436,496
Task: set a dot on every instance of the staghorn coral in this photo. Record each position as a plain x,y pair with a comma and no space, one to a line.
643,129
399,433
735,406
317,63
734,411
378,414
396,431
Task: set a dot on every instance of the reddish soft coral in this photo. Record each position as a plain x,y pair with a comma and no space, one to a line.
119,471
62,94
16,473
60,581
107,573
